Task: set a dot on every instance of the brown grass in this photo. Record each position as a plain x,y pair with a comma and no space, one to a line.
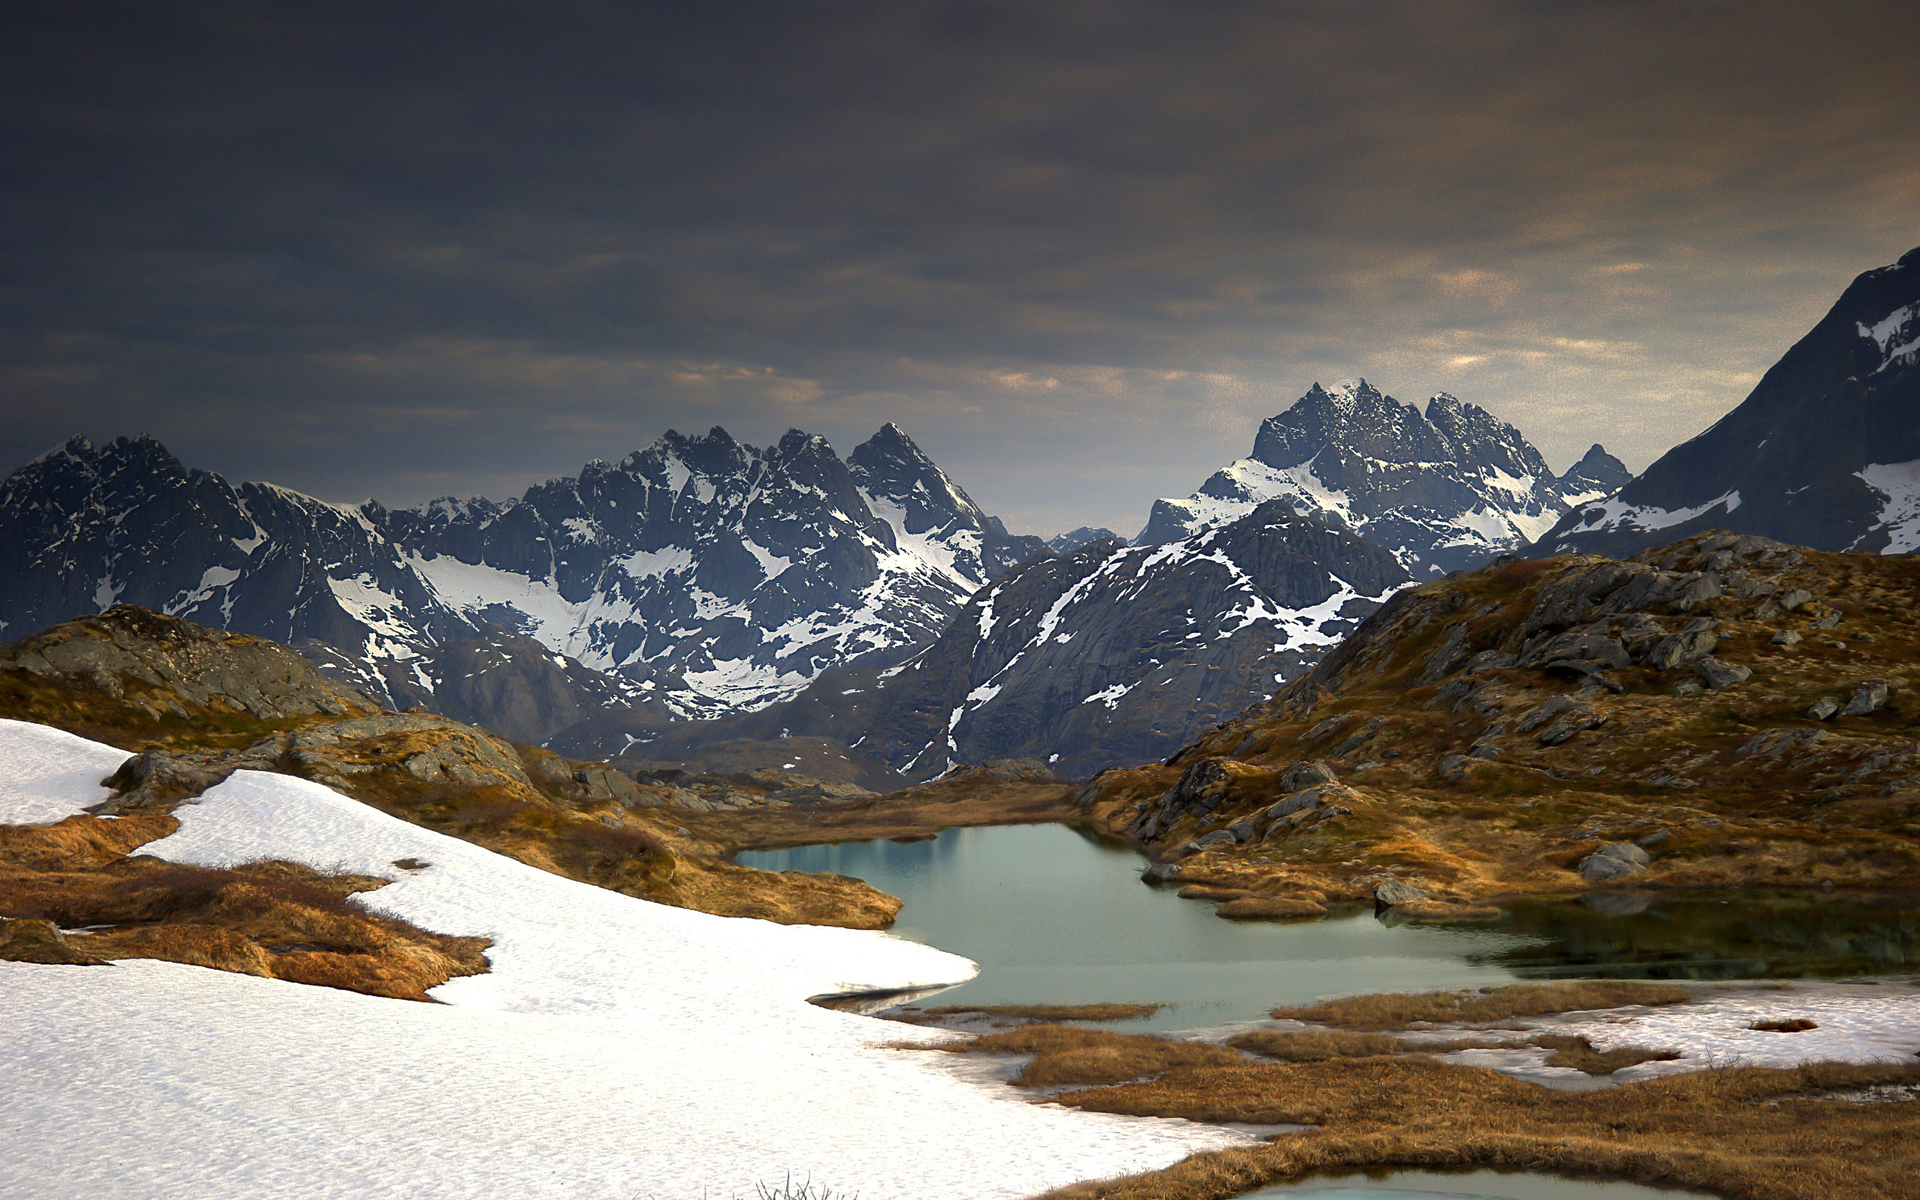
1791,1025
1071,1055
914,1014
1402,1010
274,919
1317,1045
1740,1133
1578,1053
1271,908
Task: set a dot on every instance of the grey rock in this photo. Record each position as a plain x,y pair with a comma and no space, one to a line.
1794,599
1575,720
1787,637
1827,619
1681,649
1716,673
1389,892
1218,837
1614,861
1868,697
1305,775
1824,709
1688,687
1544,712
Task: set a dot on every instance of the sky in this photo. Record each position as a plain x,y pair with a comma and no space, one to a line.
1077,250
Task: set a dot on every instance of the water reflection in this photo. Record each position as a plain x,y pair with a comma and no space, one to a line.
1055,914
1749,936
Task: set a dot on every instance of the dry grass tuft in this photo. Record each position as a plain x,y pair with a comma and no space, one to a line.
1578,1053
1791,1025
274,919
1402,1010
1318,1045
1271,908
1743,1133
913,1014
1071,1055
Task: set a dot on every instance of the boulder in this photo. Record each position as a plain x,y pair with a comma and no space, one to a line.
1787,637
1389,892
1574,720
1207,841
1718,673
1614,861
1680,649
1794,599
1302,775
1868,697
1823,709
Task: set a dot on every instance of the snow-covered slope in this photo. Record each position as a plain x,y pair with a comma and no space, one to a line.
615,1048
1824,452
1443,489
698,576
1110,655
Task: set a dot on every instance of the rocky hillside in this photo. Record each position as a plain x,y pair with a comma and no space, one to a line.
1108,655
1725,710
1442,489
696,577
1824,452
198,704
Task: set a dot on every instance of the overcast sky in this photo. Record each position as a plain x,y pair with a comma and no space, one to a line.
1077,250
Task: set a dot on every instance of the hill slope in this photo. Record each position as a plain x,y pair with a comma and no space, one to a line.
1724,710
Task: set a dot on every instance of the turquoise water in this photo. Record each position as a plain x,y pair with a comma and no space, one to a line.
1471,1185
1056,915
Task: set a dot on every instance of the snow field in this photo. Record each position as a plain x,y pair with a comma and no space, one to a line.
617,1048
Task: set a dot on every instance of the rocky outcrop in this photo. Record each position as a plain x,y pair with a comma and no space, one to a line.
165,666
1541,725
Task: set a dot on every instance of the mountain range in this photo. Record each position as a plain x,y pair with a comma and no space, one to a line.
1824,452
696,577
1106,655
1443,489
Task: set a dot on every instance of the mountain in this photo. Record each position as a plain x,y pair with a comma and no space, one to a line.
698,576
1111,654
1825,451
1073,539
1442,489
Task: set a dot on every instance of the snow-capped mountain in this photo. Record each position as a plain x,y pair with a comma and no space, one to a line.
1441,489
1110,655
698,576
1073,539
1824,452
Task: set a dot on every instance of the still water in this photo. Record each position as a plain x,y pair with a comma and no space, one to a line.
1469,1185
1056,915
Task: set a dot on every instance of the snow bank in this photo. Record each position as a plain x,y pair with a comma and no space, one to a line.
47,774
1860,1023
617,1048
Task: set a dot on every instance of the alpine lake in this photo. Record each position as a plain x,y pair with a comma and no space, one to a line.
1056,914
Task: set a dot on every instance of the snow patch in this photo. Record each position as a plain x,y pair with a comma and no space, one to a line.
615,1047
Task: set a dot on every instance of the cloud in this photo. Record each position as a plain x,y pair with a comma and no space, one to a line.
1078,249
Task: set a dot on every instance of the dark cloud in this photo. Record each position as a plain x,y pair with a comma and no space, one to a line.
1077,248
